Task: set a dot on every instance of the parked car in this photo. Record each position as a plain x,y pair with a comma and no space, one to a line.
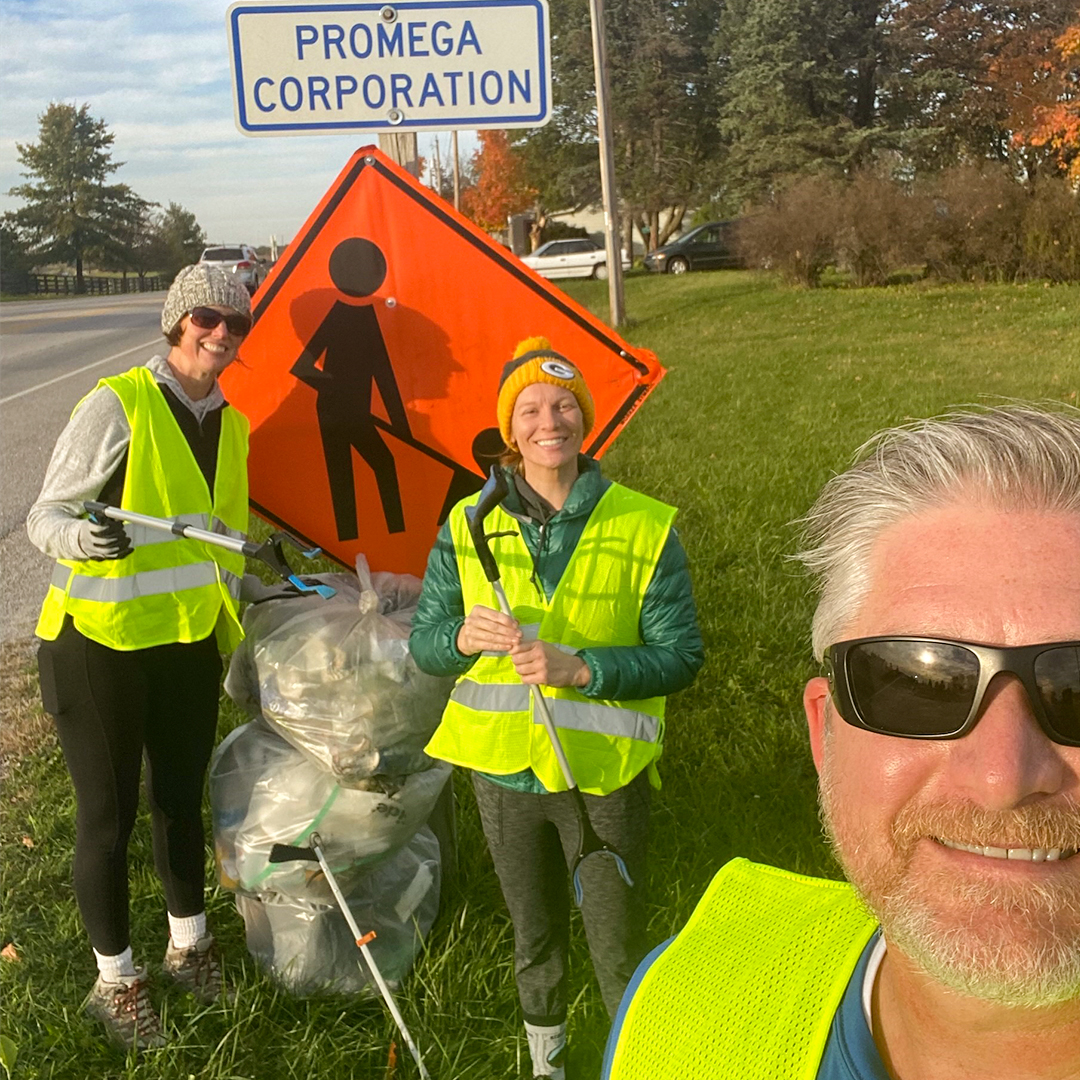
239,260
571,258
708,247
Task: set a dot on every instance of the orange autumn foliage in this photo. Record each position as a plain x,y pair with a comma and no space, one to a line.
501,188
1055,120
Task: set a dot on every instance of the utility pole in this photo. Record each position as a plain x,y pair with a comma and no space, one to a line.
437,186
616,296
457,173
400,147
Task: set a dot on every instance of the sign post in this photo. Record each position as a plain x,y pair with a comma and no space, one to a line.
417,65
616,296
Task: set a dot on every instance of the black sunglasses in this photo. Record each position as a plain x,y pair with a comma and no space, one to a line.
206,318
929,688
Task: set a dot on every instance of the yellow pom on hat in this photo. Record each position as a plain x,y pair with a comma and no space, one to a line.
535,361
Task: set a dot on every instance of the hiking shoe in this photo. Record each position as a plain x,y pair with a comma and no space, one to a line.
197,969
124,1007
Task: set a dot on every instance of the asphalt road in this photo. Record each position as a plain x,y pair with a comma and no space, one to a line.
51,353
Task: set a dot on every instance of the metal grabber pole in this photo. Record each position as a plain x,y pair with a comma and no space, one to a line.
285,853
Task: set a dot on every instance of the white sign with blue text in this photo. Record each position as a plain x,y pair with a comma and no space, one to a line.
428,65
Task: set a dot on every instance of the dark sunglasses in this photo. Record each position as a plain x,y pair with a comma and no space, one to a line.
928,688
206,318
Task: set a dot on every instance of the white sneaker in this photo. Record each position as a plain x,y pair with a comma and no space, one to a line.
547,1048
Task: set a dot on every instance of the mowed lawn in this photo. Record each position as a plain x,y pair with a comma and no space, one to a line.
769,391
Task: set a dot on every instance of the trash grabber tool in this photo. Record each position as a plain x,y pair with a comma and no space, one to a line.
286,853
268,552
589,844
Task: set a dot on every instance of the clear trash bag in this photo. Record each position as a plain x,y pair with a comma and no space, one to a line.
307,947
335,678
263,791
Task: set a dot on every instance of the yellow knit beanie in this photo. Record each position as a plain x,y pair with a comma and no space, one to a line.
535,361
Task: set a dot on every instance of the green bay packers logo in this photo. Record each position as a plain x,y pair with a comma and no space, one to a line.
558,369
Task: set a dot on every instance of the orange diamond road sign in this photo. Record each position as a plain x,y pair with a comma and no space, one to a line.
371,374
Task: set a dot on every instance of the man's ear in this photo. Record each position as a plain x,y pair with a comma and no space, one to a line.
816,703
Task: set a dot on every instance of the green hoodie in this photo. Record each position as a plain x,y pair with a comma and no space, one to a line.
672,653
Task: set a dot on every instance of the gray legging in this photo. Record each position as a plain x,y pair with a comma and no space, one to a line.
533,840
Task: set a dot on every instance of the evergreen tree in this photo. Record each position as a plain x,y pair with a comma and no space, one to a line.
71,212
179,239
799,90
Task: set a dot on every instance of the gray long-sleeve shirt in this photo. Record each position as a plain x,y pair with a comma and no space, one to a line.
86,455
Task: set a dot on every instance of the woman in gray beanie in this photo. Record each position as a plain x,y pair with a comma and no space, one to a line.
132,629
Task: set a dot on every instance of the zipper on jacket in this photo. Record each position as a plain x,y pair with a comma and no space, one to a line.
535,576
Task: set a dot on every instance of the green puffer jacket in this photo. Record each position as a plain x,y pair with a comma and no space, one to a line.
672,653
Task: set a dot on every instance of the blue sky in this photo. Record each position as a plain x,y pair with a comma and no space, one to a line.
157,72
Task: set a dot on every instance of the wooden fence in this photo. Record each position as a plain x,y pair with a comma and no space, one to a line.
16,284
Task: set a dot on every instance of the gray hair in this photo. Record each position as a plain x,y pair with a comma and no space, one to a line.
1016,456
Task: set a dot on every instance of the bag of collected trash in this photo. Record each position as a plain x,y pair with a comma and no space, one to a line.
335,678
263,791
307,947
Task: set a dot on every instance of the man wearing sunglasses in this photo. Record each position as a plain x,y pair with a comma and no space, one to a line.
946,734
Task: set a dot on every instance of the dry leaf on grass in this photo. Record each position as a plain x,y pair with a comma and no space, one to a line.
27,842
9,953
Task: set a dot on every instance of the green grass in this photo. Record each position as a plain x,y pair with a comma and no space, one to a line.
769,391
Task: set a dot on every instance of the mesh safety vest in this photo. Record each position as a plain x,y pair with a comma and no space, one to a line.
168,589
489,722
749,988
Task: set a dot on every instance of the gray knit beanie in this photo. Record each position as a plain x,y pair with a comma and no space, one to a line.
202,286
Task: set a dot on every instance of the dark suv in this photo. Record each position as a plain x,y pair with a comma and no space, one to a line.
708,247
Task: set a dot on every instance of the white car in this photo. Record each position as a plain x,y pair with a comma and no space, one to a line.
239,260
571,258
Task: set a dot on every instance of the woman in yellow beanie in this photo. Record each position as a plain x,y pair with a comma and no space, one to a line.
605,624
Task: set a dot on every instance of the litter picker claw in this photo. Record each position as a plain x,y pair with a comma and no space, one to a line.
589,844
268,552
286,853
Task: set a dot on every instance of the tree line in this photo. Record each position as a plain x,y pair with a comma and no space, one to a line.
73,213
720,105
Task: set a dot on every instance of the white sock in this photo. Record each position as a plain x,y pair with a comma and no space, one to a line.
546,1045
185,932
113,968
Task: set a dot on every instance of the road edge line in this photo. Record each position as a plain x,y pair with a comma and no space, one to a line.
78,371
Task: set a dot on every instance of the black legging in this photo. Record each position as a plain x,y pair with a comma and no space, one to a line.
110,708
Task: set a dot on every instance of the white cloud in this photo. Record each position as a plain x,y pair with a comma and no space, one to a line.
158,74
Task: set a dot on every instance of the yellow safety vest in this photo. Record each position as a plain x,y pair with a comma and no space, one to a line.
168,589
489,722
749,988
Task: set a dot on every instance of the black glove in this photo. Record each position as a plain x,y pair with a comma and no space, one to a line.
101,540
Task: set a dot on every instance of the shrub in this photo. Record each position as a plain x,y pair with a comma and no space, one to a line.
975,232
881,226
1051,228
561,230
795,233
964,224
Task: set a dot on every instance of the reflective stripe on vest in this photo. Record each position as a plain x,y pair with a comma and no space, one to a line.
170,588
751,984
489,723
577,715
171,579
